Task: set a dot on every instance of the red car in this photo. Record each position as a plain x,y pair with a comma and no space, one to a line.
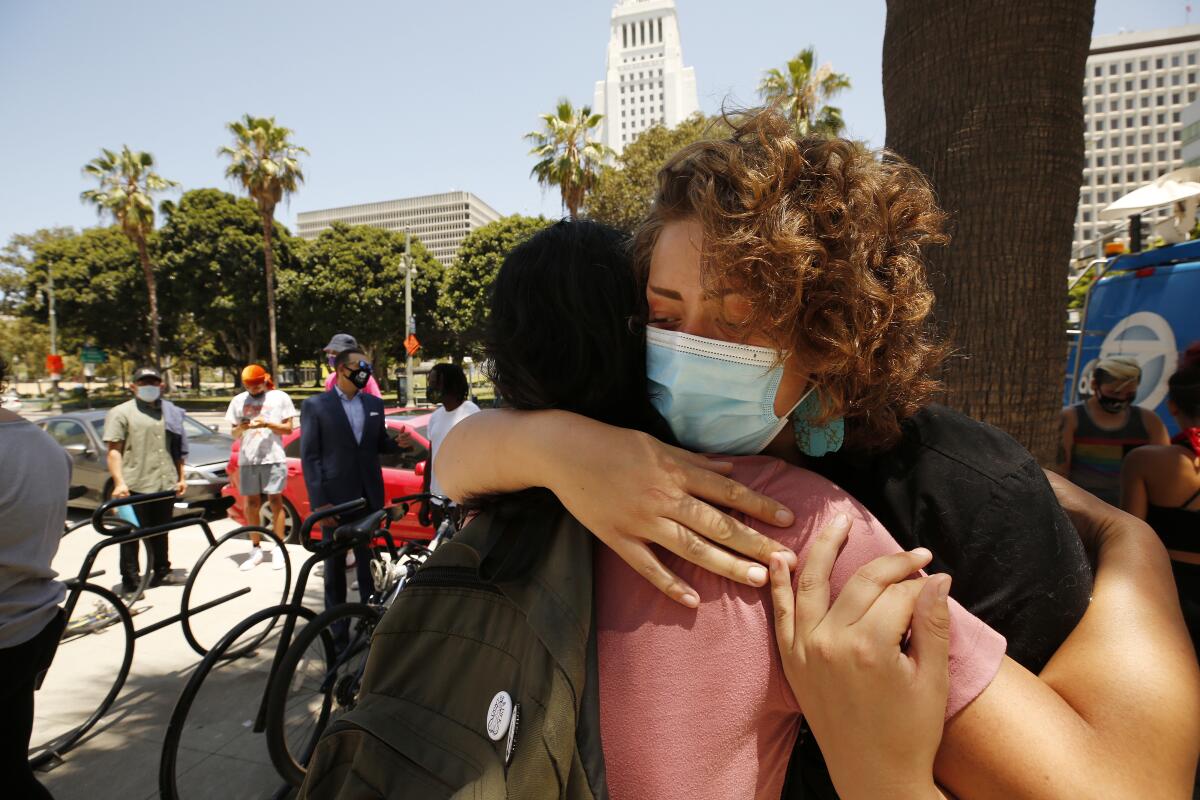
403,473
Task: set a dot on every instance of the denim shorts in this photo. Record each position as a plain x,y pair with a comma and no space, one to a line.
262,478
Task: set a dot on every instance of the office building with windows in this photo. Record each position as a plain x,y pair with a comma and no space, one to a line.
1135,92
645,80
440,221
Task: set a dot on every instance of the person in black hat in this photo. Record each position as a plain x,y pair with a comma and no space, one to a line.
340,343
147,447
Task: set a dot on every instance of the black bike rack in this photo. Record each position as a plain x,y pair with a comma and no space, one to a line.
123,533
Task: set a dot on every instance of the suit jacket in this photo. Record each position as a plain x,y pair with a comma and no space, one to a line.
336,468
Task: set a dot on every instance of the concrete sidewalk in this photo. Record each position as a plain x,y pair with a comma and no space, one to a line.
119,759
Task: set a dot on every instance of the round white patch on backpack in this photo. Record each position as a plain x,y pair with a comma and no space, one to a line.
499,716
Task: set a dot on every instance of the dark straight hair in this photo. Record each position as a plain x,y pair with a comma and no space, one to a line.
565,328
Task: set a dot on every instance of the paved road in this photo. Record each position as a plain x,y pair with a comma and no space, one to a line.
120,758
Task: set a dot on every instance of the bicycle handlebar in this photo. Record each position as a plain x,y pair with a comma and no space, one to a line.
133,499
326,513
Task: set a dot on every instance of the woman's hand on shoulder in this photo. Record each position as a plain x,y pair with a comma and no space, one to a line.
629,489
633,491
876,708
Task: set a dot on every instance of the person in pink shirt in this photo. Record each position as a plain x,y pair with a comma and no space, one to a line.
697,700
340,343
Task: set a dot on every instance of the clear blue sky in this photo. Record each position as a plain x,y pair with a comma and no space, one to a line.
392,99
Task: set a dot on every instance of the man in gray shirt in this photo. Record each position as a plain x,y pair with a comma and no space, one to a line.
33,507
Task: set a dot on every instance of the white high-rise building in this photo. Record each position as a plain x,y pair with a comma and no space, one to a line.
440,221
645,80
1135,90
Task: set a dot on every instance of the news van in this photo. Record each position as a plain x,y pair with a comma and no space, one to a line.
1145,305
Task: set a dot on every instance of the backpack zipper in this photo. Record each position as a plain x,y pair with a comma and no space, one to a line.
452,577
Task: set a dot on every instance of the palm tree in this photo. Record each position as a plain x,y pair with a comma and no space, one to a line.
801,91
127,181
265,162
568,157
996,123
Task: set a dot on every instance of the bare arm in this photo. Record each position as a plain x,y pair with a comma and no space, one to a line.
1113,713
1066,441
1155,427
116,454
1133,485
628,488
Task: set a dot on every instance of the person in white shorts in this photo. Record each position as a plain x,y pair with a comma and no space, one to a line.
260,416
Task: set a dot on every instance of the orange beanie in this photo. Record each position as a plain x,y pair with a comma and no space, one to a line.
256,374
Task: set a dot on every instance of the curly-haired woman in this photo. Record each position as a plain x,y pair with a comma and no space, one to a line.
789,316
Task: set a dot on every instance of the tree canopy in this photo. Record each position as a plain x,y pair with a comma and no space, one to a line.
802,91
467,286
567,155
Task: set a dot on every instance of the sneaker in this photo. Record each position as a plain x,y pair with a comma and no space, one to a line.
253,561
277,558
176,577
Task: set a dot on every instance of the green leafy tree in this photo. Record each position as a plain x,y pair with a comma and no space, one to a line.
97,281
355,276
266,163
127,185
210,246
567,155
625,189
802,90
467,284
24,343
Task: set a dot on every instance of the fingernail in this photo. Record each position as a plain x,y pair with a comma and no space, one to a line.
789,558
784,517
690,600
841,520
757,575
921,552
943,588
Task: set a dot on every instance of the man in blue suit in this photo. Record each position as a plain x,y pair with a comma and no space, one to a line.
341,436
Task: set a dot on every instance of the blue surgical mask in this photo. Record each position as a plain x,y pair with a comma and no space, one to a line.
149,394
719,397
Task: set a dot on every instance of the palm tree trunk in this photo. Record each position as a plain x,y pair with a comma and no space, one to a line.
985,98
152,294
268,219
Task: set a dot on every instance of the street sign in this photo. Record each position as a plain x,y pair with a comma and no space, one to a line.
54,364
411,344
93,355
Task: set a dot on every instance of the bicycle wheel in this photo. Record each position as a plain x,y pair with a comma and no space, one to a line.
217,579
316,683
211,744
100,634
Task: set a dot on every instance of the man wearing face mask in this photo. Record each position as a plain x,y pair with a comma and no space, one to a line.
260,417
340,343
342,434
1098,433
147,446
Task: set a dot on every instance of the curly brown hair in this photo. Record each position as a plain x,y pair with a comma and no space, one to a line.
824,240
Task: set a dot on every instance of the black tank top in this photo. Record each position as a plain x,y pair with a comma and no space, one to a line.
1179,528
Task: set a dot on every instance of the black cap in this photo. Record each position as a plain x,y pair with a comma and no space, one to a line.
340,343
146,372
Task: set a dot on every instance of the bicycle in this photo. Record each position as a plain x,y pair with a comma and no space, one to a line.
103,613
208,722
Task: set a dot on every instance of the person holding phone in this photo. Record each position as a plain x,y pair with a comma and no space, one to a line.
260,416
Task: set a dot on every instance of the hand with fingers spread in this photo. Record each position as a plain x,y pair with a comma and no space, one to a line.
875,704
631,490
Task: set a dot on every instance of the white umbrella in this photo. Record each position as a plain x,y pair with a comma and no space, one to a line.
1174,186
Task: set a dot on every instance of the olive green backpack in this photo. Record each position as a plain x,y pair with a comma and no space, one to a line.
481,680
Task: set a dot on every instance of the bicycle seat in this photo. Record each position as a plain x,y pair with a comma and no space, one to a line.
362,528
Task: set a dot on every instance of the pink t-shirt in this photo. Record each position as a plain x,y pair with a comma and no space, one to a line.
694,703
371,388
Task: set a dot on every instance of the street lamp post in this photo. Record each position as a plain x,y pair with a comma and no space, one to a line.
408,322
54,376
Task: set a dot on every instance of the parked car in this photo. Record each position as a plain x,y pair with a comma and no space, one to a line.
403,474
10,400
80,432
